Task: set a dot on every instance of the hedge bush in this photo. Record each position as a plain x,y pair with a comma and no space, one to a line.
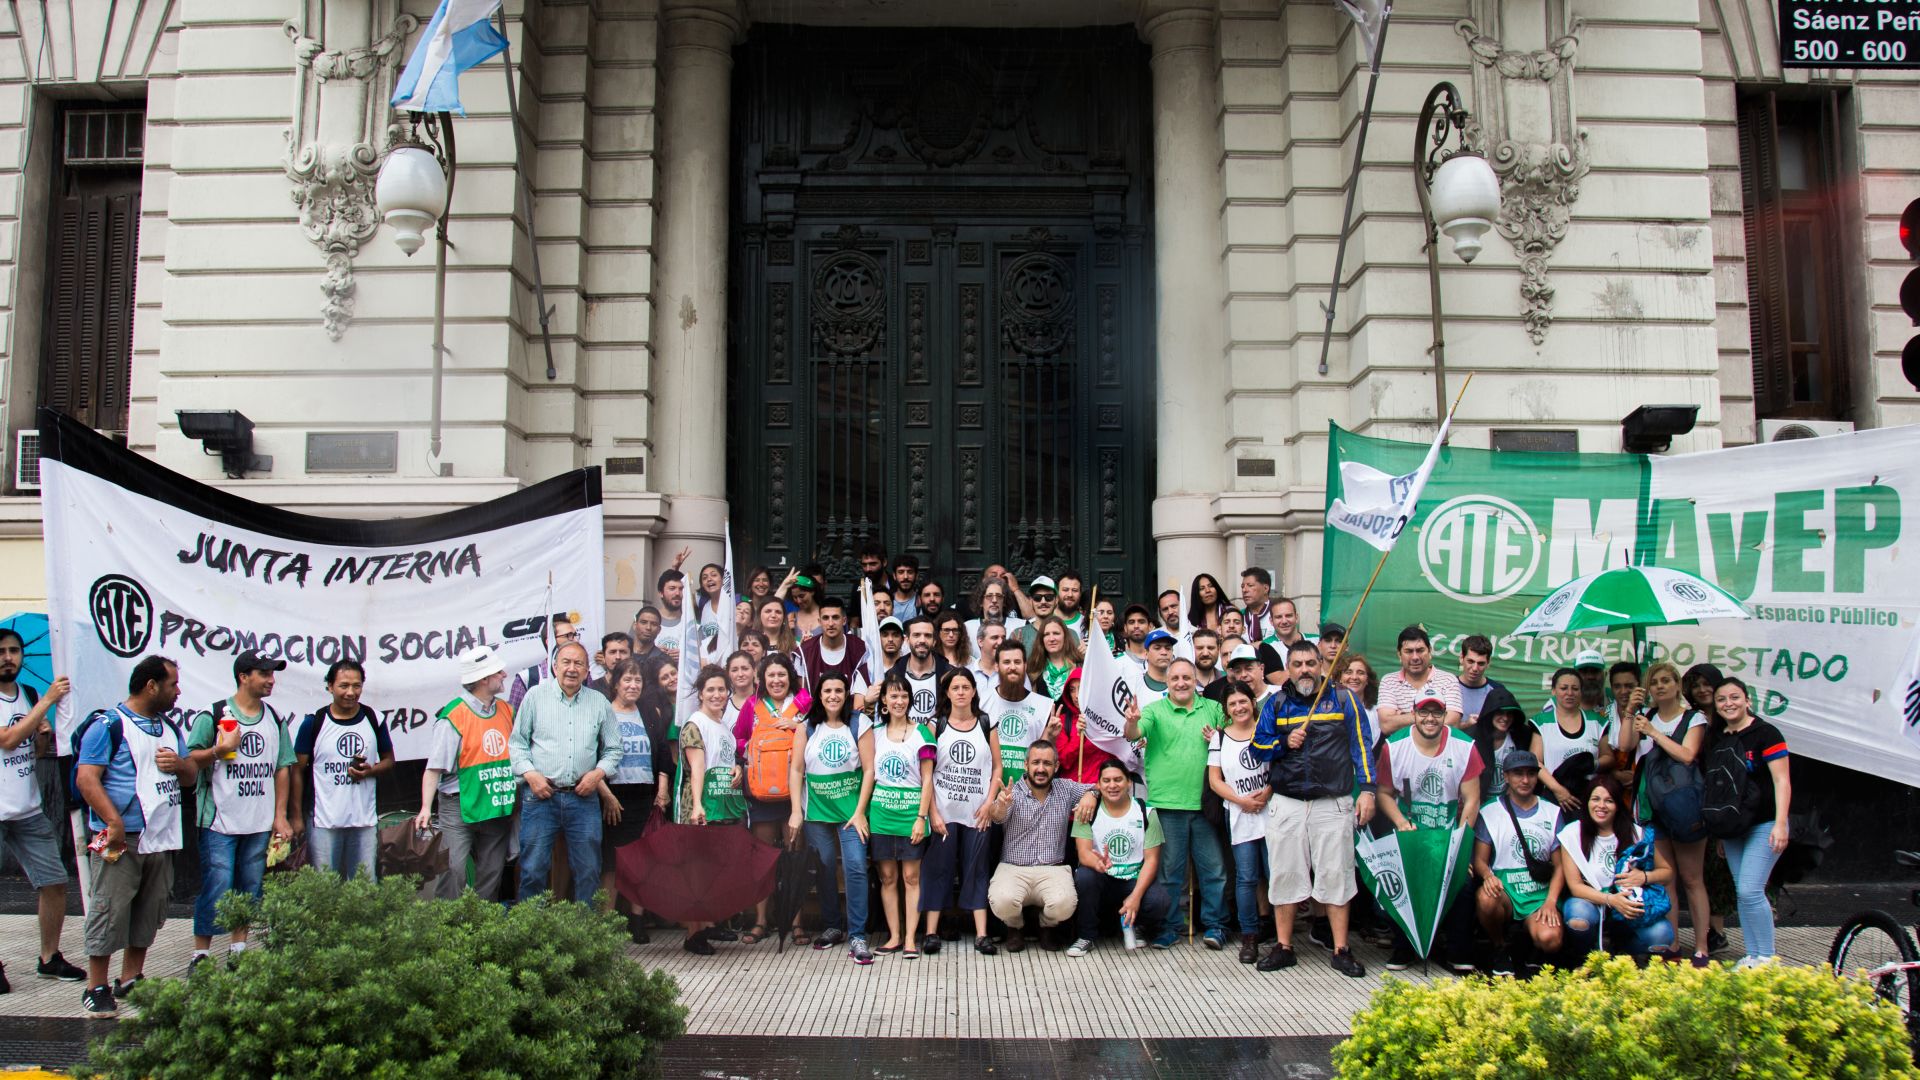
357,979
1611,1020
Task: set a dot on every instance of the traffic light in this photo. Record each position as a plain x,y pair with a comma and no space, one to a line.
1910,291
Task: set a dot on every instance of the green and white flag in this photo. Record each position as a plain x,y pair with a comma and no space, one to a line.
1806,535
1416,876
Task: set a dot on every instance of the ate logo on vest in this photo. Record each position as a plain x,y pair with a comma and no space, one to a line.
836,752
963,752
1479,549
351,745
493,742
253,744
1247,762
1014,726
895,770
1432,787
122,614
1120,846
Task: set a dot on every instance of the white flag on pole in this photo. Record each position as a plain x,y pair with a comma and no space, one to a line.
1371,17
1107,687
1376,506
870,634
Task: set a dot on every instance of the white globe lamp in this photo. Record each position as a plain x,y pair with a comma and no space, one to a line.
1466,198
411,194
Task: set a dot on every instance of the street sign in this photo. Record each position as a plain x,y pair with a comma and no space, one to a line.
1850,34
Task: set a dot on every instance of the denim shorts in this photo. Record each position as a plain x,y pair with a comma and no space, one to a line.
32,840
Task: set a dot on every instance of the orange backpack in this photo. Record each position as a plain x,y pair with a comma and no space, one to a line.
769,754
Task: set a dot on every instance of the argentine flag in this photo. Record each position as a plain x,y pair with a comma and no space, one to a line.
461,35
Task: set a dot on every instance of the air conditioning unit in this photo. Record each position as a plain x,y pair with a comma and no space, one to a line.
1788,430
26,460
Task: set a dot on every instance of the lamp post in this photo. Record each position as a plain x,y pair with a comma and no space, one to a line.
1459,196
412,194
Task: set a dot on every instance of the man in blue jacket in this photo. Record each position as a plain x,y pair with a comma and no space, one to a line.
1317,743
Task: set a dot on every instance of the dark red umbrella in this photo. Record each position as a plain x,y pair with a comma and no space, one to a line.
695,873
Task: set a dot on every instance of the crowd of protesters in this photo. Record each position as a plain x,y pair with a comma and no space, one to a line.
940,765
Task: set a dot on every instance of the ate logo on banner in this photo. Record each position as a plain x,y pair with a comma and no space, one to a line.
122,614
1479,549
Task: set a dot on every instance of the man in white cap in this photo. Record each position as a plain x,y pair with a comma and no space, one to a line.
468,768
1593,679
1244,668
1035,604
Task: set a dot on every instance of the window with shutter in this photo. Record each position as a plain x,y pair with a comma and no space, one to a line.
1794,222
92,242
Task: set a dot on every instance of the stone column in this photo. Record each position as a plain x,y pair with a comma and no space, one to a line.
689,419
1191,288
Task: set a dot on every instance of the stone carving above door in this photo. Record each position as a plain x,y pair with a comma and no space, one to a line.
1524,122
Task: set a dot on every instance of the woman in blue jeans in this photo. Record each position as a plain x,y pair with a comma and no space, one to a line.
827,770
1751,854
1589,851
1241,783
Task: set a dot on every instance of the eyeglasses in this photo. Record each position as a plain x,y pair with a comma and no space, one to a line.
571,635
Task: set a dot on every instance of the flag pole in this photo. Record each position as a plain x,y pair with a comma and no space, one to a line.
1341,650
525,190
1353,183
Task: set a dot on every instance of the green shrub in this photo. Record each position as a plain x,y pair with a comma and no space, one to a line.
1612,1021
354,979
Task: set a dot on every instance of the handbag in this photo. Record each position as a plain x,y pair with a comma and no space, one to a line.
404,849
1654,901
1540,870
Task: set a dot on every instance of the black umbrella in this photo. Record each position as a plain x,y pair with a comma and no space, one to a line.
790,877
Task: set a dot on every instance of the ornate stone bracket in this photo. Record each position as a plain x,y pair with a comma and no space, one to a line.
339,123
1524,123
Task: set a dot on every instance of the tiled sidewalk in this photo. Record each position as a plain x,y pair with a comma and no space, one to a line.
1187,992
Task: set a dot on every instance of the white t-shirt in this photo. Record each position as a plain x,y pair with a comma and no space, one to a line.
1234,758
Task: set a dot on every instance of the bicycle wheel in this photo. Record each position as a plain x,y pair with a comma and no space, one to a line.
1872,940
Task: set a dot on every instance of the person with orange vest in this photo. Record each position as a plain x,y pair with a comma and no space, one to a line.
764,735
469,769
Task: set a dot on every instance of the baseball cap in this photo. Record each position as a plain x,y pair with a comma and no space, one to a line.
1589,658
1155,637
477,663
1043,582
1522,759
252,660
1333,630
1428,699
891,623
1242,653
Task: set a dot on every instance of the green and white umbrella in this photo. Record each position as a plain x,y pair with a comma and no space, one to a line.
1632,596
1416,876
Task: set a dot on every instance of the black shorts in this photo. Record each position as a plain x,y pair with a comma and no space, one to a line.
759,813
636,807
884,848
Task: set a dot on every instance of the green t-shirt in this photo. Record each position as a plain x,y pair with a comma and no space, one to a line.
1125,836
896,780
201,735
1175,762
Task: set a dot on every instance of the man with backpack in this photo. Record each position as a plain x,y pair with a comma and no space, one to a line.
243,752
25,828
130,765
341,748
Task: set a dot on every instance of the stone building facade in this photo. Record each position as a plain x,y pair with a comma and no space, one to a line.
1638,136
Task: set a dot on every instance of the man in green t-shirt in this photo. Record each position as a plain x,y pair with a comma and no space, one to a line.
1176,729
1120,860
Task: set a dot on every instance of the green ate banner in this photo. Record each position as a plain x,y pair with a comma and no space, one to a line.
1808,534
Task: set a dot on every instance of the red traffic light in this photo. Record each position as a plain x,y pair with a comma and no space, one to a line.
1910,229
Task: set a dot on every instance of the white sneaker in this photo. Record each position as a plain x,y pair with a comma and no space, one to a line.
1753,962
1079,947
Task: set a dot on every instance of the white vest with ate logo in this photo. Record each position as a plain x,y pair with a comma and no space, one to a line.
339,802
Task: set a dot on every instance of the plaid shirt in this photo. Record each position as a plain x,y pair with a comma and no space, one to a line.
1037,831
